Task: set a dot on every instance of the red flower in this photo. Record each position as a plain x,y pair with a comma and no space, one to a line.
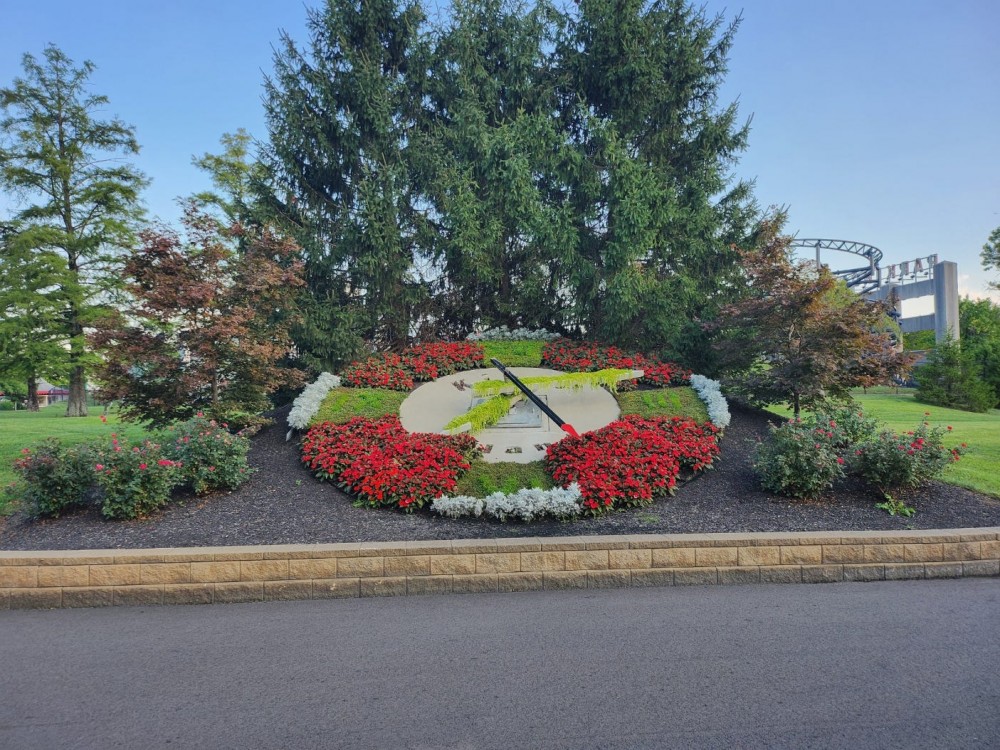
142,467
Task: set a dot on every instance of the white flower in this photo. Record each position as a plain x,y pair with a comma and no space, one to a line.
710,392
503,333
304,407
525,504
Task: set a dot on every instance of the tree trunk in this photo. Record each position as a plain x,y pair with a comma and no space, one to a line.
31,403
77,404
795,405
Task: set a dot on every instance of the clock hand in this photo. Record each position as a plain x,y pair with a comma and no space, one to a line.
565,426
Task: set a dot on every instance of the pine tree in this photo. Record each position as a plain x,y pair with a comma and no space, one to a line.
338,115
654,205
82,197
951,377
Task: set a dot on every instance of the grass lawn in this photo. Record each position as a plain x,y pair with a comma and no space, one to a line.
22,429
979,468
664,402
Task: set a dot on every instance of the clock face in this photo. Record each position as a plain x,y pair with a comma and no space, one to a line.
524,434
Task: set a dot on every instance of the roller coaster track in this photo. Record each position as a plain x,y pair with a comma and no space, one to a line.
864,279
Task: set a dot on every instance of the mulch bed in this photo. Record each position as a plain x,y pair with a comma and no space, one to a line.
283,504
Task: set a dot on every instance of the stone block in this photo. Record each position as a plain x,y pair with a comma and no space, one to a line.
696,576
309,568
4,599
475,584
417,585
943,570
780,574
822,573
498,562
337,588
680,557
138,596
154,573
243,591
981,568
990,550
360,567
706,557
411,565
383,586
903,571
865,572
539,561
287,590
652,577
758,556
509,582
629,559
809,554
89,596
189,593
35,598
215,572
64,575
587,559
608,579
453,565
883,553
960,551
843,553
115,575
18,577
923,552
564,579
740,575
264,570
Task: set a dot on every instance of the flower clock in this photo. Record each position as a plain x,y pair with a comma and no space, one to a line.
577,428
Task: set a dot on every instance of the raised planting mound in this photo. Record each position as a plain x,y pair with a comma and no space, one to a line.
467,442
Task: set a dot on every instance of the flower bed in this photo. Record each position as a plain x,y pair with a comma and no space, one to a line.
380,463
631,461
418,363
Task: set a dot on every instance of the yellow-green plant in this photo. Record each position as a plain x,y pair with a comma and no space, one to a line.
608,378
483,415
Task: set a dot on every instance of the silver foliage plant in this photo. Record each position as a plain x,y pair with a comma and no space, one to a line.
710,392
503,333
304,407
525,504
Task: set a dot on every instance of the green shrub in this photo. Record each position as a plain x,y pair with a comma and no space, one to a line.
343,404
849,425
6,405
892,461
513,353
210,458
952,378
136,480
798,460
483,479
54,478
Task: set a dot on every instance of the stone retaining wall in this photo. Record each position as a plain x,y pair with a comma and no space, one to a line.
202,575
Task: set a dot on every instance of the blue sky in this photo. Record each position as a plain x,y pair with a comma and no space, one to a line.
874,121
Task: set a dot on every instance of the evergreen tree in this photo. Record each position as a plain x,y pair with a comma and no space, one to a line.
339,114
654,205
951,377
980,329
82,197
991,254
485,149
236,177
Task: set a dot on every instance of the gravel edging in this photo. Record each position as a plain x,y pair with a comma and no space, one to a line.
283,504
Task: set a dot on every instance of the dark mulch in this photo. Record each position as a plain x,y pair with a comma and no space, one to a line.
283,504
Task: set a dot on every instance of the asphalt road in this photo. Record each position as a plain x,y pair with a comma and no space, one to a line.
909,664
